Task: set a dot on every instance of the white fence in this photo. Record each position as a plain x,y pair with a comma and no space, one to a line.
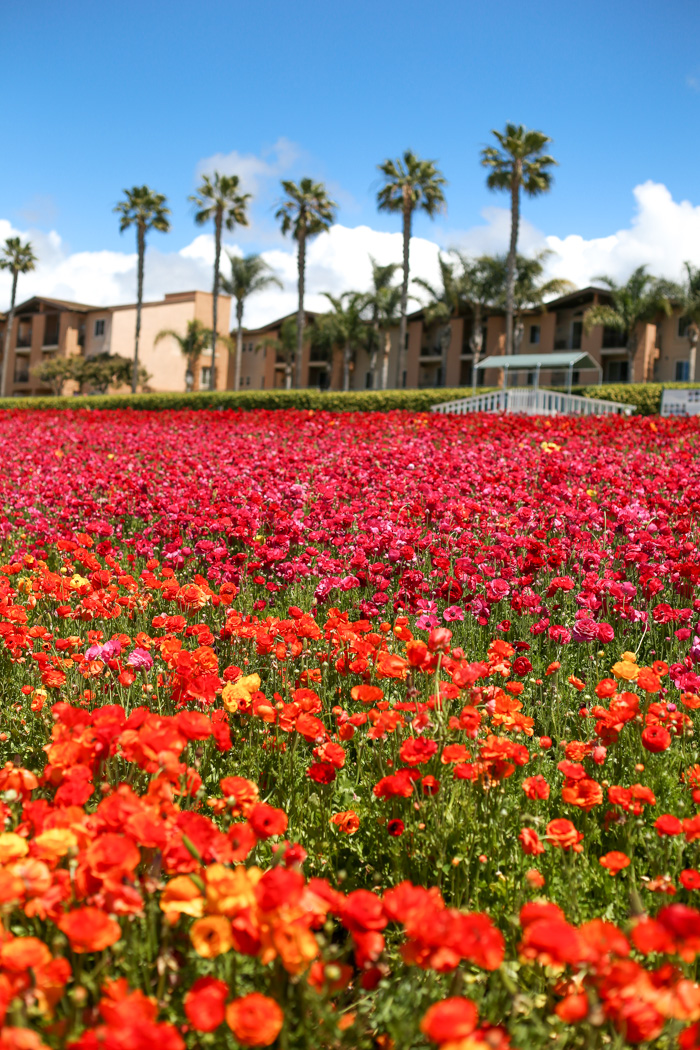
680,403
535,403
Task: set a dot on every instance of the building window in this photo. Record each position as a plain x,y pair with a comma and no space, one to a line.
683,326
534,334
247,380
576,332
204,377
403,378
24,331
368,380
615,371
51,330
99,327
682,371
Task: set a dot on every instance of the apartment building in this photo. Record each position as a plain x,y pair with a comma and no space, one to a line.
441,355
45,328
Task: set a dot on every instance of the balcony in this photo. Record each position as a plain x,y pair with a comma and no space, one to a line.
24,339
22,373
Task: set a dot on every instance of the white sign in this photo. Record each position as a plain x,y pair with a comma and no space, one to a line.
680,402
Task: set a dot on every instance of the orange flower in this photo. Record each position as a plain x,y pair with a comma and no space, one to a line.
585,794
211,936
615,861
89,930
181,897
451,1020
391,666
562,833
255,1020
348,821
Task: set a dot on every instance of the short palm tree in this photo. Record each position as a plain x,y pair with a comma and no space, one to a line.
517,162
690,305
346,327
145,210
219,198
480,284
531,290
249,274
193,343
409,184
17,258
444,303
639,301
375,303
305,211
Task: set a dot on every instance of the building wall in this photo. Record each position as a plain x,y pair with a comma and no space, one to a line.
674,349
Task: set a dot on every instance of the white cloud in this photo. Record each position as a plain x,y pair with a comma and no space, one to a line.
663,233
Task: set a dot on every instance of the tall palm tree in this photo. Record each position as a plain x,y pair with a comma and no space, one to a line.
409,183
219,198
305,211
690,304
249,274
531,290
17,258
375,302
347,327
145,210
518,162
193,343
640,300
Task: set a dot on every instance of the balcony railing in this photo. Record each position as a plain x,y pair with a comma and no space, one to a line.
24,340
21,375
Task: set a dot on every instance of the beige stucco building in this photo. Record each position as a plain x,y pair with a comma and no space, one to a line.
441,355
45,328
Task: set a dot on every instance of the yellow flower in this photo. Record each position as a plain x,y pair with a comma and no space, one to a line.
625,670
181,897
234,692
12,847
211,936
55,843
230,890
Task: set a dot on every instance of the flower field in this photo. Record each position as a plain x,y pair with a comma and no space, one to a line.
370,731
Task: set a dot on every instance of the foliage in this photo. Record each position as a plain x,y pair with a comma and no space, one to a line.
97,372
640,299
143,208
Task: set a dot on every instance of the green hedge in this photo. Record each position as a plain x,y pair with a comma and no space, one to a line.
646,396
352,401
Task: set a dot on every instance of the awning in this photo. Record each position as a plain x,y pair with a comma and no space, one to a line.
527,362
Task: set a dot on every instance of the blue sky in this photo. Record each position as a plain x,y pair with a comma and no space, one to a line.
111,94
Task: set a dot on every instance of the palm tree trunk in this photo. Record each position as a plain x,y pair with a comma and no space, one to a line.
288,375
374,356
692,357
346,367
8,335
239,344
631,354
510,277
301,270
385,360
141,247
476,341
407,211
218,224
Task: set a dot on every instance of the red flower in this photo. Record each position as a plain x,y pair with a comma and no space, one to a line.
451,1020
205,1004
267,821
656,738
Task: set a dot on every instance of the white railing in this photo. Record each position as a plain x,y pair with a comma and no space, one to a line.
680,402
532,402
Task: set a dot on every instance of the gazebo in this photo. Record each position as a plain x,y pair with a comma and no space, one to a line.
567,360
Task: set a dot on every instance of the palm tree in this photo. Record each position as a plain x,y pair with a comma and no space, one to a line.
389,315
382,277
640,300
445,303
690,301
306,211
409,183
220,199
145,210
193,343
480,284
346,326
517,163
249,274
17,258
531,291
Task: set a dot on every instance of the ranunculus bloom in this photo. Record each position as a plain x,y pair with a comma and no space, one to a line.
255,1020
205,1004
562,833
348,821
656,738
614,861
451,1020
211,936
530,842
89,929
